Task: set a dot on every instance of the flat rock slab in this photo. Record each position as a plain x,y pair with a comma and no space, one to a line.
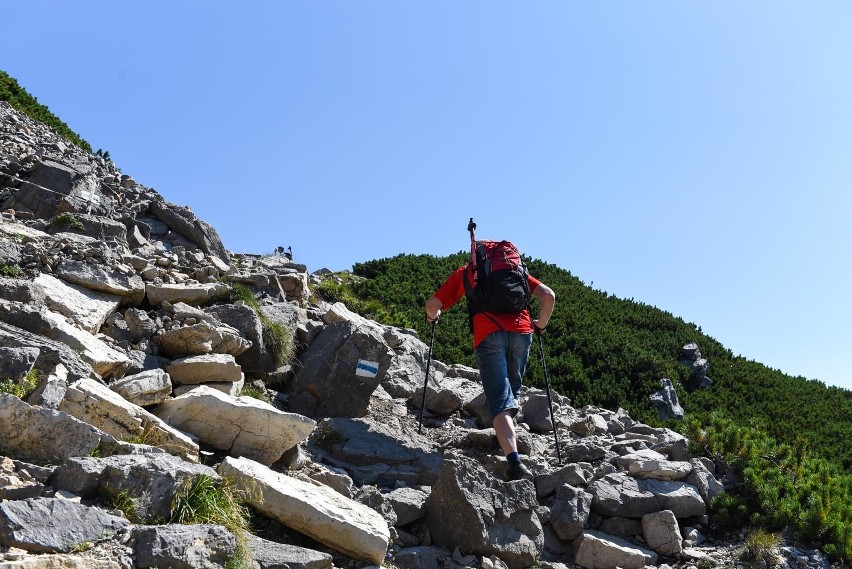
597,550
182,546
274,555
98,405
205,368
243,426
315,510
86,308
193,294
52,525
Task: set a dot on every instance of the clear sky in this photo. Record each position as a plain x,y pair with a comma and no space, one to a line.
694,156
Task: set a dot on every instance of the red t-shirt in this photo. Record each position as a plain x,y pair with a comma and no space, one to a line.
453,290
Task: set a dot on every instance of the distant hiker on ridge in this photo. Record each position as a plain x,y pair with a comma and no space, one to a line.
498,289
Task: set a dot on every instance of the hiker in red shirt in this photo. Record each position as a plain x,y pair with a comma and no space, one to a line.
502,342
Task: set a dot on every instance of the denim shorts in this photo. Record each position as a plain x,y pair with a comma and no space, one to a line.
502,359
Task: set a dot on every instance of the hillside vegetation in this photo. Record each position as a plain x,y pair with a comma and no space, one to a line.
16,96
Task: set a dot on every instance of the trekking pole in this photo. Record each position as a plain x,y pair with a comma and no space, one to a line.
549,399
426,381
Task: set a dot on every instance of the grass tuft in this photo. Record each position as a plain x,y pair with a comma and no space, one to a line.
204,500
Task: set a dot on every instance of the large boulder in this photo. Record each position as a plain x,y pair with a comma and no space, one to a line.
314,510
98,405
470,509
257,358
184,222
346,357
179,546
376,453
50,352
243,426
621,495
149,482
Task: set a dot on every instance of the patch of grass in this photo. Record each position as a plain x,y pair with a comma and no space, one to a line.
127,504
279,341
68,220
340,288
251,391
325,437
22,388
277,338
204,500
760,545
10,270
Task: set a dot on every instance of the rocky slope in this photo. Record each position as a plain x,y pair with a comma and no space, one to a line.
118,307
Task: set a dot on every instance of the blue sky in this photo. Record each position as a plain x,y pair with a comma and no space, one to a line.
694,156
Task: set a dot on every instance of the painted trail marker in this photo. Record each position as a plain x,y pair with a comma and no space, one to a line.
367,368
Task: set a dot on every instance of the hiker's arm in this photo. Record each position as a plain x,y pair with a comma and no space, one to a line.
433,308
548,299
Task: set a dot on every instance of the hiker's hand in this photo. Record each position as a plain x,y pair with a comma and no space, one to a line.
538,331
433,320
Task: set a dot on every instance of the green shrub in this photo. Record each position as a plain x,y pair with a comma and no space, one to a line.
780,486
254,392
68,220
22,388
10,270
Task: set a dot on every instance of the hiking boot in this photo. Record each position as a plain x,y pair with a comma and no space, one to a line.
519,472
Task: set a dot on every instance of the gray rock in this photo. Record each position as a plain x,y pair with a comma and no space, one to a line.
184,222
274,555
666,401
597,550
409,504
257,358
16,363
150,481
661,533
422,557
574,473
481,515
182,546
144,389
51,525
130,288
344,358
621,495
353,444
570,511
43,435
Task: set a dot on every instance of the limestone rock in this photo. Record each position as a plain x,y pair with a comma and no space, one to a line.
477,513
622,495
130,288
145,388
597,550
243,426
52,525
662,533
316,511
105,409
179,546
205,368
